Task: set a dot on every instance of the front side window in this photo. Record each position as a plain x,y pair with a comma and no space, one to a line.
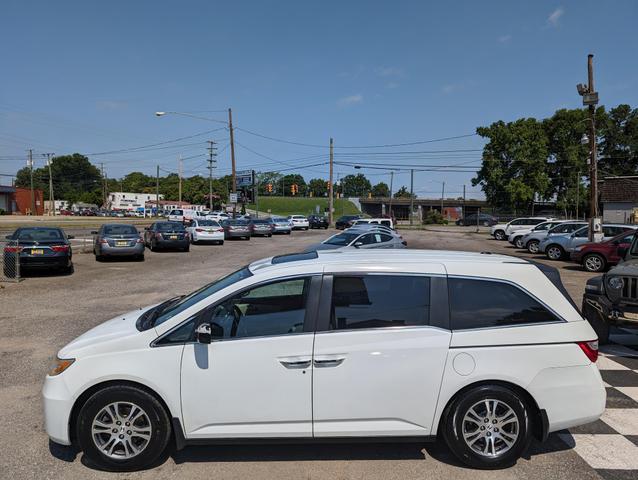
566,228
343,239
274,309
583,232
478,303
379,301
517,222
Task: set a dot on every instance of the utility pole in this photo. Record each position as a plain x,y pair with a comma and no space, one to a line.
157,192
179,170
391,182
411,194
211,159
232,153
51,200
103,185
463,213
330,186
590,99
577,192
31,173
442,197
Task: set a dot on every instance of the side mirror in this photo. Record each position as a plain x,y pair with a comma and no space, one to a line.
70,237
203,333
358,244
147,228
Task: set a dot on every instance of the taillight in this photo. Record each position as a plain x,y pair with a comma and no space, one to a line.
199,229
590,349
12,249
60,248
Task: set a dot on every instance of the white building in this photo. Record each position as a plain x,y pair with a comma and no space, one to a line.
58,205
130,201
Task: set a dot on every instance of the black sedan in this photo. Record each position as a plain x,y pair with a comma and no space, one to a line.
167,235
37,248
346,221
478,219
318,221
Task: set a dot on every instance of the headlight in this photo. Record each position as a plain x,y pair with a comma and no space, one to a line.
61,364
615,283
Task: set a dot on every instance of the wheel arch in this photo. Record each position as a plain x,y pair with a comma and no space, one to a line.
540,424
86,394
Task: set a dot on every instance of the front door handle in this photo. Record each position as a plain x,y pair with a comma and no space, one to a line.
295,362
325,361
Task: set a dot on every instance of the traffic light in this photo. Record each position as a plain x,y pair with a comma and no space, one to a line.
328,184
269,187
294,189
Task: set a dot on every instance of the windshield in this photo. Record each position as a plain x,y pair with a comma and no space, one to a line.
170,227
260,222
172,309
342,239
39,234
119,230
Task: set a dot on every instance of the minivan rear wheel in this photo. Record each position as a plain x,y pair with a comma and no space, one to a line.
122,428
488,427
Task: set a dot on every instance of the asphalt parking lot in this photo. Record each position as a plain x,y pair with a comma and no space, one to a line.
43,313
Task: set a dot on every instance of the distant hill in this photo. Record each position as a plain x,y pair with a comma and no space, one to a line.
285,206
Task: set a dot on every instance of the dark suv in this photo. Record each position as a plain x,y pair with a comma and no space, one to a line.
317,221
612,298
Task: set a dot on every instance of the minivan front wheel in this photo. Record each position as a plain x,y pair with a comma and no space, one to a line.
122,428
488,427
499,235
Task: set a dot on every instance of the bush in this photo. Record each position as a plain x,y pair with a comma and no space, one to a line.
2,212
434,217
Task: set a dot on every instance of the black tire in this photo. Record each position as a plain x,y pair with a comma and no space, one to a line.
187,248
499,235
453,427
555,252
221,242
140,258
159,423
99,258
460,223
152,246
518,242
532,246
288,232
594,262
269,235
597,322
68,270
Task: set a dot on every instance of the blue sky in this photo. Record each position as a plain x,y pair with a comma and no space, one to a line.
86,76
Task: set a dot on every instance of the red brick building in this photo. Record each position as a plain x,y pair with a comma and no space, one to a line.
17,201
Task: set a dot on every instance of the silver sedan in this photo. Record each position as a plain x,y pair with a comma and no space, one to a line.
118,240
361,238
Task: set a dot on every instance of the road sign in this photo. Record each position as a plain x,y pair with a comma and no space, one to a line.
233,198
245,178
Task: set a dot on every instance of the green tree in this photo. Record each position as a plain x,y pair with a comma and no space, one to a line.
618,141
318,187
290,179
74,177
514,170
269,178
403,192
381,189
355,185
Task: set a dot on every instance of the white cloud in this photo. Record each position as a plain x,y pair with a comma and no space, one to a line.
555,16
504,38
390,72
392,85
350,100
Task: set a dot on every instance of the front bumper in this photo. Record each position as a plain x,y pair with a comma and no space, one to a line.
607,311
58,403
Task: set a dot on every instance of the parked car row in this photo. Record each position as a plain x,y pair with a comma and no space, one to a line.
568,239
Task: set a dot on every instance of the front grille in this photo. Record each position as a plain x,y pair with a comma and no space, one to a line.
630,288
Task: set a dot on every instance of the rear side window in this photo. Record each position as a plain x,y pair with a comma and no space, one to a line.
487,304
379,301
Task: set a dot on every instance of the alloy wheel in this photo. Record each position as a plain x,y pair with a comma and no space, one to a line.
554,253
532,247
519,242
593,263
121,430
490,427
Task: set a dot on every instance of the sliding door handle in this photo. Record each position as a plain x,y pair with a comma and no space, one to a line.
295,362
325,361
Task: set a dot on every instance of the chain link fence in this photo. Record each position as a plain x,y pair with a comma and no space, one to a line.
9,261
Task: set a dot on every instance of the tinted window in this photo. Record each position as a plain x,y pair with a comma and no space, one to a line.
274,309
377,301
583,232
385,238
39,234
566,228
342,239
119,230
486,303
612,231
533,221
518,222
207,223
170,227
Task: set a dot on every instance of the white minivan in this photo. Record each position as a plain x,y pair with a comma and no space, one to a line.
483,350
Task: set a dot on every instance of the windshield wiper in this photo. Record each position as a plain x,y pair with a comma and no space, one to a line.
147,319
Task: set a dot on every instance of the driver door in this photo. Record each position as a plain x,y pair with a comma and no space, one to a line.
255,378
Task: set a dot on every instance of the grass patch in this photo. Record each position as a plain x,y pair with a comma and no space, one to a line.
285,206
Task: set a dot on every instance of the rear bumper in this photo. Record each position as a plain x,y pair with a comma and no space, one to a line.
45,262
281,229
172,243
106,250
232,234
570,396
261,233
208,237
